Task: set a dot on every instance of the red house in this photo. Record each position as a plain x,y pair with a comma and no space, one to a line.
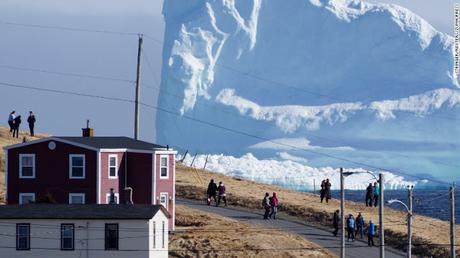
84,169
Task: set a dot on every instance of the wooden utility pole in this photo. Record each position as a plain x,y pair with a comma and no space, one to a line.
409,220
138,88
452,222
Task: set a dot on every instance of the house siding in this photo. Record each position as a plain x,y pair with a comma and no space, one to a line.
116,183
52,173
139,176
166,185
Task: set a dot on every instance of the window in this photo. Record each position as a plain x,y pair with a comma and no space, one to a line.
163,235
117,198
26,165
113,163
25,198
76,166
23,236
76,198
164,199
67,236
164,167
154,235
111,236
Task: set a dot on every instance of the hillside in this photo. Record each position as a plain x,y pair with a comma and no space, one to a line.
430,236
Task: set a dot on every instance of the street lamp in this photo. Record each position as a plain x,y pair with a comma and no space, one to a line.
409,218
381,204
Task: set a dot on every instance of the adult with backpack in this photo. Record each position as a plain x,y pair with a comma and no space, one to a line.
211,192
222,194
360,225
274,205
266,205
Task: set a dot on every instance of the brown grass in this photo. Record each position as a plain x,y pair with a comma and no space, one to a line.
201,234
430,235
5,140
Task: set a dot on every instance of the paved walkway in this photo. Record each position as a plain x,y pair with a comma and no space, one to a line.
356,249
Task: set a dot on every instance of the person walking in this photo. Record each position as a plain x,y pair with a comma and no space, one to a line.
369,195
322,191
376,194
222,195
274,205
360,225
336,222
11,118
211,192
17,123
266,205
370,233
351,227
327,190
31,120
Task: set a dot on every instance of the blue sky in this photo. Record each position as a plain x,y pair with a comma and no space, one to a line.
100,54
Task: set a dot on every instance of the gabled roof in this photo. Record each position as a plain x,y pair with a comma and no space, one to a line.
110,142
80,211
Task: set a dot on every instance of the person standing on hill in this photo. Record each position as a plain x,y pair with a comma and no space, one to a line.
370,233
369,195
376,194
212,192
322,191
31,120
336,222
327,190
11,118
17,123
266,205
221,190
351,227
360,225
274,205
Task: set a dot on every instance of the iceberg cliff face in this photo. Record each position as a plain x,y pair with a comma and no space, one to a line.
374,77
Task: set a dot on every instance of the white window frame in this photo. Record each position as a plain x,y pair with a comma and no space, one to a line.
33,166
116,166
70,166
167,199
25,194
167,166
82,195
107,198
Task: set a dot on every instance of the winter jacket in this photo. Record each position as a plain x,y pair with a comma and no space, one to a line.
327,189
360,222
336,220
17,122
370,191
31,119
11,117
351,222
371,229
221,190
376,190
212,189
266,202
274,200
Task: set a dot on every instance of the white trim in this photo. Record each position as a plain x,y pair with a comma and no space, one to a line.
33,166
167,199
77,195
98,178
128,150
170,151
107,198
49,139
154,179
167,167
70,166
174,197
116,166
6,176
25,194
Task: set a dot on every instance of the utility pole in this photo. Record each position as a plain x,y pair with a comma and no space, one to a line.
452,221
409,221
138,89
381,227
342,214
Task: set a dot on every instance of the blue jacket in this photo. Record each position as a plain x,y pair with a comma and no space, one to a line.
371,229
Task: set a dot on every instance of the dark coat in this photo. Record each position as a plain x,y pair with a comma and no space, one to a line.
31,120
212,189
17,122
336,220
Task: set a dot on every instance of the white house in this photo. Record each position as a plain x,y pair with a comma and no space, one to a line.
83,231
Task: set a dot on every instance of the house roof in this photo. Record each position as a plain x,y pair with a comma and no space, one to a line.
112,142
80,211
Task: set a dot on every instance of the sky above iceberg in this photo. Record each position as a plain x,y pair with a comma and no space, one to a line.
103,55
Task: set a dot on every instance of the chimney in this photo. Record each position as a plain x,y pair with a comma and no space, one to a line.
112,197
128,195
87,132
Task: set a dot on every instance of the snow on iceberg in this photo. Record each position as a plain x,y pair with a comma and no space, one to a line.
291,174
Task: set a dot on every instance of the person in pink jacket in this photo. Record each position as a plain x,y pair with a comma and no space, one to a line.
274,205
